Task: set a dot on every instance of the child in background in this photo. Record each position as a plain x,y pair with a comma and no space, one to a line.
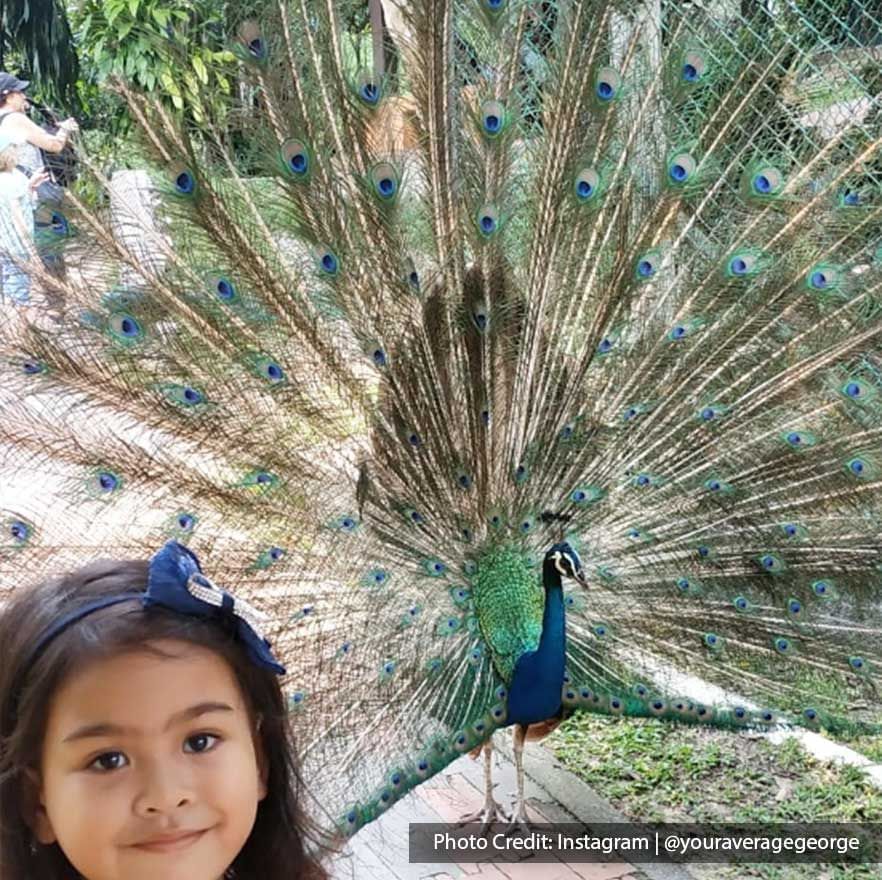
17,198
143,732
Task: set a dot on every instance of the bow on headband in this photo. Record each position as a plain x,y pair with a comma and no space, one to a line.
175,581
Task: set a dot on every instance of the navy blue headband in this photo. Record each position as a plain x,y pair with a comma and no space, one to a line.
175,581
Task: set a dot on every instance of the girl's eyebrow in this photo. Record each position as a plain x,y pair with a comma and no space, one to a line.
107,729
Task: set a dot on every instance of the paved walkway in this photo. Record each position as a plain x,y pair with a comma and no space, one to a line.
380,851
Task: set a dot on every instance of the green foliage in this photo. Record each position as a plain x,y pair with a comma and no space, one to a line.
651,771
38,31
174,49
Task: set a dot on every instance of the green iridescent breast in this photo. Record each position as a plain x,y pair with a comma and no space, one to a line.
508,601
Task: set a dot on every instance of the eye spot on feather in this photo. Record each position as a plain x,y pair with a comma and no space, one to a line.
693,67
107,481
128,326
225,289
191,395
20,531
607,84
185,182
766,181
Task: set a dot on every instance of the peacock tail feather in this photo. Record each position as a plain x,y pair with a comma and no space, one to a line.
602,272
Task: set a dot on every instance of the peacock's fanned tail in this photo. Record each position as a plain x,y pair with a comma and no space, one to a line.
602,271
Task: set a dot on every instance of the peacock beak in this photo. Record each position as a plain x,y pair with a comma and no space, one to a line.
579,574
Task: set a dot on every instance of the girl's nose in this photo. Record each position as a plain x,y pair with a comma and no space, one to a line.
163,789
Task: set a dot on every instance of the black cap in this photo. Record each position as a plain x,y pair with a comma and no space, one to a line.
10,83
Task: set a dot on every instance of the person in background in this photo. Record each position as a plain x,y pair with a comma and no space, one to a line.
27,140
28,137
17,197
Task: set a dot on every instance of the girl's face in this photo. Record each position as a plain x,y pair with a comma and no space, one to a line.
139,747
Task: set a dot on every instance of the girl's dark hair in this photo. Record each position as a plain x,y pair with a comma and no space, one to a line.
277,848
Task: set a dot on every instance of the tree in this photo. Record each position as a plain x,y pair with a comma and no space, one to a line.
39,31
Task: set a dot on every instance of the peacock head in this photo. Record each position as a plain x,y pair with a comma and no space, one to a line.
563,559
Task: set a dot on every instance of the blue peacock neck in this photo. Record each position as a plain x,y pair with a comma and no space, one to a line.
552,643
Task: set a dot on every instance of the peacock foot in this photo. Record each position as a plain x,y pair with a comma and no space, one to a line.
519,820
488,815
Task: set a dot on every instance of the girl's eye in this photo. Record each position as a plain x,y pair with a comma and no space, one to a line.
201,742
101,763
201,738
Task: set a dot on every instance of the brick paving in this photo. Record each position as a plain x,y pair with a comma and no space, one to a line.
380,851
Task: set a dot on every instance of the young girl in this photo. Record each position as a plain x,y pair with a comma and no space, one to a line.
143,732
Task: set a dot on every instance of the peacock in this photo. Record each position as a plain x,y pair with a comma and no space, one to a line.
525,364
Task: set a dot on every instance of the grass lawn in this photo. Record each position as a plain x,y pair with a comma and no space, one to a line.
654,771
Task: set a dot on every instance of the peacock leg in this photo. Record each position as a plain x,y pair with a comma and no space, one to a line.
491,811
519,815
